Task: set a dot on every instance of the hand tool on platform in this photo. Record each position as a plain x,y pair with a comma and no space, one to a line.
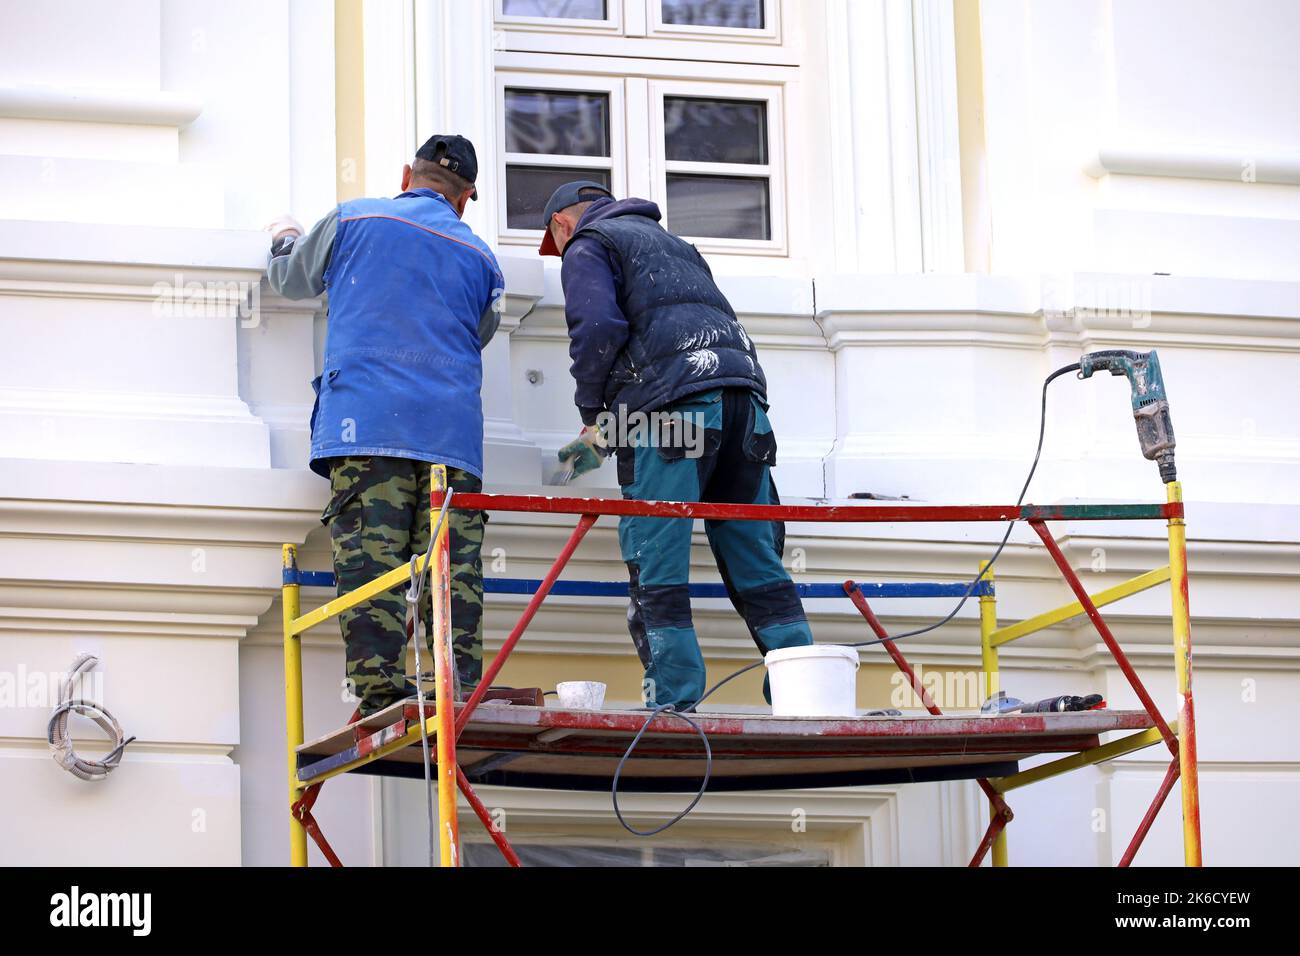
1063,704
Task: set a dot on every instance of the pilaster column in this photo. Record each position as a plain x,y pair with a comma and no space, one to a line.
894,146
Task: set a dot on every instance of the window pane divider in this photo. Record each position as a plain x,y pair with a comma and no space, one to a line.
558,159
748,170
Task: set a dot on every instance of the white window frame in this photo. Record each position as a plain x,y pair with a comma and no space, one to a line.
580,834
773,171
860,826
616,162
770,33
612,25
636,29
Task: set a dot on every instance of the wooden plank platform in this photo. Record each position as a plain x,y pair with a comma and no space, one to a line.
552,748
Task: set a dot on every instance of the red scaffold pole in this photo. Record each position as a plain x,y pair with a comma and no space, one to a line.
1171,777
1002,814
1085,601
860,602
485,818
873,514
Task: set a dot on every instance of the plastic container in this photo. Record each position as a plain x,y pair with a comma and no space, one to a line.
581,694
819,680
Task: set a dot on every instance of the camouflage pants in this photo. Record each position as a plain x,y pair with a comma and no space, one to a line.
378,517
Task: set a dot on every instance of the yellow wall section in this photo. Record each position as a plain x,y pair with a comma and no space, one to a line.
349,100
977,226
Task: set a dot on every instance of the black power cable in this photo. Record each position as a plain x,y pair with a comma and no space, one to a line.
708,751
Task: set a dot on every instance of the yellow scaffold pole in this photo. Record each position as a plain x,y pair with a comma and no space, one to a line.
289,601
1183,664
444,693
989,665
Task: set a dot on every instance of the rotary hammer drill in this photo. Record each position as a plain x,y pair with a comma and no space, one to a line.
1150,404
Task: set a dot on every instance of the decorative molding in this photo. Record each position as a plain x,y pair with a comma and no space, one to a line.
1029,584
136,549
192,310
525,287
1089,294
1076,310
118,248
99,105
1242,165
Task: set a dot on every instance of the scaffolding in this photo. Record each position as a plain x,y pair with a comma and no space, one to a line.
552,747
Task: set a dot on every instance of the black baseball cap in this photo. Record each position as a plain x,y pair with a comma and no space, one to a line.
453,152
570,194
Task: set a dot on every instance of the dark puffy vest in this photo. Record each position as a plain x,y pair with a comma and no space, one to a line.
683,334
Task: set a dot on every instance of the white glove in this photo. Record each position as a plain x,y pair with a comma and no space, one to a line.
284,225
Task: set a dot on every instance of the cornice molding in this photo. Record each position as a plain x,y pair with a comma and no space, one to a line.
525,285
1080,309
1243,164
120,246
99,105
73,607
1018,311
546,323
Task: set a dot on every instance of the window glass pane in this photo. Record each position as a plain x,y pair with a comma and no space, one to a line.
715,131
719,207
742,14
528,188
557,122
566,9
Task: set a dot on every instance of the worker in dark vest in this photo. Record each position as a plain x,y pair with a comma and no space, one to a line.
668,379
413,297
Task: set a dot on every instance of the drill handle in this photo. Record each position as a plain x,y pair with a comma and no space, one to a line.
1115,361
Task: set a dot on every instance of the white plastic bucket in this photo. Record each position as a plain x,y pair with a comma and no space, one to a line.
819,680
581,694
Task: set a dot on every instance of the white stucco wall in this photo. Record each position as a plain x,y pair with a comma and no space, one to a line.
153,455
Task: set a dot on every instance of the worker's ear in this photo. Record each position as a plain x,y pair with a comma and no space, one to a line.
406,177
562,227
464,202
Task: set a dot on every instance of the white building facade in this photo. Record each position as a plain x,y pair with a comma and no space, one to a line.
919,209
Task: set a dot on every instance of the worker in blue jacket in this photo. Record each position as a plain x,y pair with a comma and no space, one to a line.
667,377
413,297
